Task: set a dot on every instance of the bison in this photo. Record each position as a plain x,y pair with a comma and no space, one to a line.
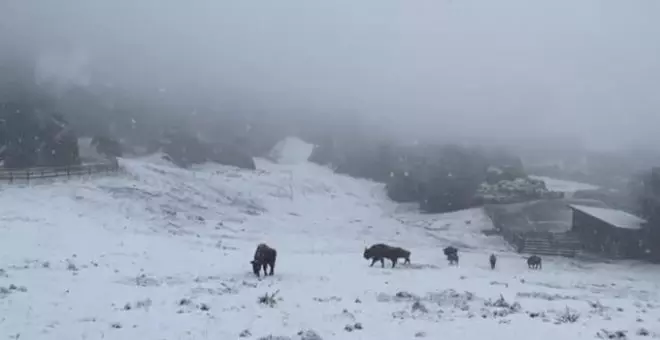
452,255
380,252
264,257
450,250
453,259
534,262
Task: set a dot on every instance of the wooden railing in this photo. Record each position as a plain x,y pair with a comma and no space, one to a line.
28,174
543,243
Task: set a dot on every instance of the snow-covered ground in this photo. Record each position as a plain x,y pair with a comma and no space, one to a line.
554,184
158,252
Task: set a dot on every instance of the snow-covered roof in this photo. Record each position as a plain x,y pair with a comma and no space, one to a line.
616,218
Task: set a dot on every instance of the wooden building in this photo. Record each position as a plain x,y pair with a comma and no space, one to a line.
608,232
541,227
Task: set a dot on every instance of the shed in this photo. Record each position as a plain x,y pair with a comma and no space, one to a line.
610,232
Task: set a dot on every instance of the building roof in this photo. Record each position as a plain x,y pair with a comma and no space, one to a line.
616,218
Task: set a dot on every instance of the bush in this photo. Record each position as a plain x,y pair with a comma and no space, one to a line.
568,316
268,299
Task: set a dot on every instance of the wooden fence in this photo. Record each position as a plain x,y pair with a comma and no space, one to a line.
543,243
522,234
28,174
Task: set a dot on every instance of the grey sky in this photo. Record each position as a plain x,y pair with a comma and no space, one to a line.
509,68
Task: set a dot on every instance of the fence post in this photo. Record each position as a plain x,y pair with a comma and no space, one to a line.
27,175
11,177
68,172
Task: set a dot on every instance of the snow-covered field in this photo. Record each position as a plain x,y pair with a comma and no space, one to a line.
554,184
158,252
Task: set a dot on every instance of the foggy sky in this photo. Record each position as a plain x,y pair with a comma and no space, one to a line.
508,69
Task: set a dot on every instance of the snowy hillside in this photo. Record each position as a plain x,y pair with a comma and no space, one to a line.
159,252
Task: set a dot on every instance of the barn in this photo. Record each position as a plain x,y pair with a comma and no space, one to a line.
608,232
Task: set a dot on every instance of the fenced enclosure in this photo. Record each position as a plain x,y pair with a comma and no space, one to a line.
541,227
29,174
543,243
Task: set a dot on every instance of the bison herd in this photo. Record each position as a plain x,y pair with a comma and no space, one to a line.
265,256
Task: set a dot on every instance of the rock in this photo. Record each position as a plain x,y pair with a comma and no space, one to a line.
400,315
418,306
245,334
357,326
405,295
143,303
605,334
309,335
420,334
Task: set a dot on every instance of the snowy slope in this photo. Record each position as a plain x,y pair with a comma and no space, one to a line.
159,252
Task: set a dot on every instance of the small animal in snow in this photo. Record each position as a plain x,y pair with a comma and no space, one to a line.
380,252
264,257
453,259
452,255
450,250
534,262
492,260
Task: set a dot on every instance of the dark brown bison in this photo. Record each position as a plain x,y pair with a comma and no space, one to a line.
452,255
380,252
492,260
534,262
264,257
450,250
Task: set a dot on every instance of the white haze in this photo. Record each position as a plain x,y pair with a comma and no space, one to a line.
509,69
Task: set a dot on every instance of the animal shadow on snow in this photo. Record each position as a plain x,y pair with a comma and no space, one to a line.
408,266
250,277
419,266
